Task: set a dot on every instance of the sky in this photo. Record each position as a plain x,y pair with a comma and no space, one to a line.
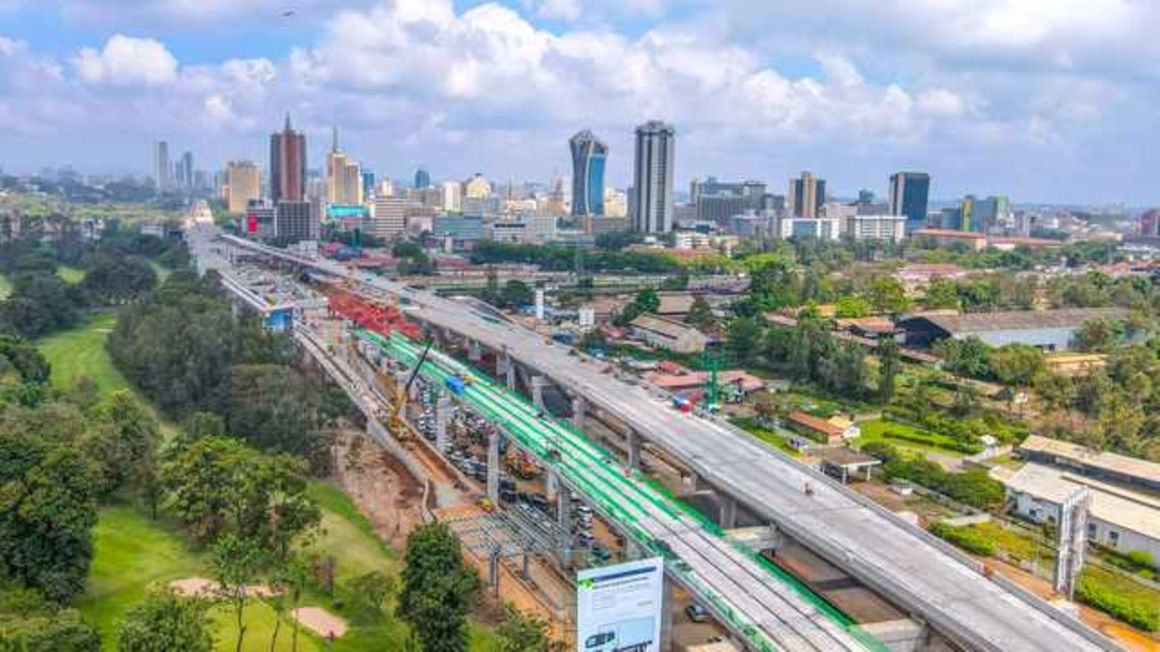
1041,100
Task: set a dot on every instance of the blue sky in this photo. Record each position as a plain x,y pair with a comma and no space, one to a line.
1043,100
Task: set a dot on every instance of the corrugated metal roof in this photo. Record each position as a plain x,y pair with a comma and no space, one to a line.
1020,319
1114,462
666,327
1129,510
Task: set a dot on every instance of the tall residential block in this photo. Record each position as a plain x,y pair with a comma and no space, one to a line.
452,197
589,154
653,178
344,181
807,194
243,185
909,195
287,164
162,172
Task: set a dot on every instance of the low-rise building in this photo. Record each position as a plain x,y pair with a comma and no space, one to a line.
1118,519
1104,466
876,227
669,334
808,227
1051,330
831,432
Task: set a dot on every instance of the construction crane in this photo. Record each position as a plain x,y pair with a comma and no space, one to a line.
395,419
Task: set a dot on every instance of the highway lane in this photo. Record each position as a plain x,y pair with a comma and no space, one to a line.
880,550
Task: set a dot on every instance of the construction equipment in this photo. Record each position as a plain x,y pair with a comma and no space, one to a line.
395,419
520,464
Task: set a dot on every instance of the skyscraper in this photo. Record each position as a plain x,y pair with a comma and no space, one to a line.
287,164
344,182
243,185
422,178
653,178
588,156
909,193
807,193
161,170
185,179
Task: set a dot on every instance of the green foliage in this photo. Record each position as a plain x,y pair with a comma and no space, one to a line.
562,258
1017,364
969,356
974,487
1099,334
889,364
850,306
967,538
886,295
1093,591
236,562
26,359
220,486
438,588
881,450
114,279
166,621
647,300
29,623
40,303
520,632
700,313
123,443
367,594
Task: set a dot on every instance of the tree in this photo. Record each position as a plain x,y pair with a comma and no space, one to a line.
700,313
1017,364
743,337
969,356
851,306
236,562
647,300
889,360
887,295
516,293
30,623
521,632
1099,334
47,511
166,621
593,340
368,592
117,278
123,443
942,293
438,588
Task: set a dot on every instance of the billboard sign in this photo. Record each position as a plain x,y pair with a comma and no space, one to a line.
618,608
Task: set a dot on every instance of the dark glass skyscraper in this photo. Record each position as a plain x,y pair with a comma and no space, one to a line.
422,178
909,193
588,156
287,164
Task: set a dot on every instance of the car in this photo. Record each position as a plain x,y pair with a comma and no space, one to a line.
696,613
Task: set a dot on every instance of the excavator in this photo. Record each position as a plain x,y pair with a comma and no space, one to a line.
395,418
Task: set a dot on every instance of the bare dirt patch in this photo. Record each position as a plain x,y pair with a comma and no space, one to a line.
321,621
200,587
380,486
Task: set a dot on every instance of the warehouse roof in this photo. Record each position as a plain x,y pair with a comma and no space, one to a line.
1113,462
1020,319
1111,504
664,326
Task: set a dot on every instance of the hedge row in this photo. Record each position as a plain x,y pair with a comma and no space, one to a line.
1134,612
967,538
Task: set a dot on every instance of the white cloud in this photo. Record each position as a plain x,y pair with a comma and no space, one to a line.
127,61
941,102
569,10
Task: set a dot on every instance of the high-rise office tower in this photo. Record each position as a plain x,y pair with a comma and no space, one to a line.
344,182
452,197
368,184
422,178
807,193
588,156
909,193
653,178
243,185
161,170
287,164
185,179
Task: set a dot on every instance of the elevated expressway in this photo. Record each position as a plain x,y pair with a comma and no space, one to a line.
922,574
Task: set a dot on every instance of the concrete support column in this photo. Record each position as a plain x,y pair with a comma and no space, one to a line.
667,616
538,382
510,374
493,572
578,406
632,443
442,418
493,467
727,511
474,351
564,520
552,484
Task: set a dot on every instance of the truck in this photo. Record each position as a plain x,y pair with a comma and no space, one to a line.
455,385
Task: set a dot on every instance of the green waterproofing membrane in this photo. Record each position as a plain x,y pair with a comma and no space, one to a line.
591,469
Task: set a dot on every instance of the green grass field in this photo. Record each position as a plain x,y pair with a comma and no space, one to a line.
5,287
932,442
70,275
81,352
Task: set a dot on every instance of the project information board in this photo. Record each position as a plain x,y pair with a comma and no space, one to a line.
618,608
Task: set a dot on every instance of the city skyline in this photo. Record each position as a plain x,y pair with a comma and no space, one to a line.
1054,112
